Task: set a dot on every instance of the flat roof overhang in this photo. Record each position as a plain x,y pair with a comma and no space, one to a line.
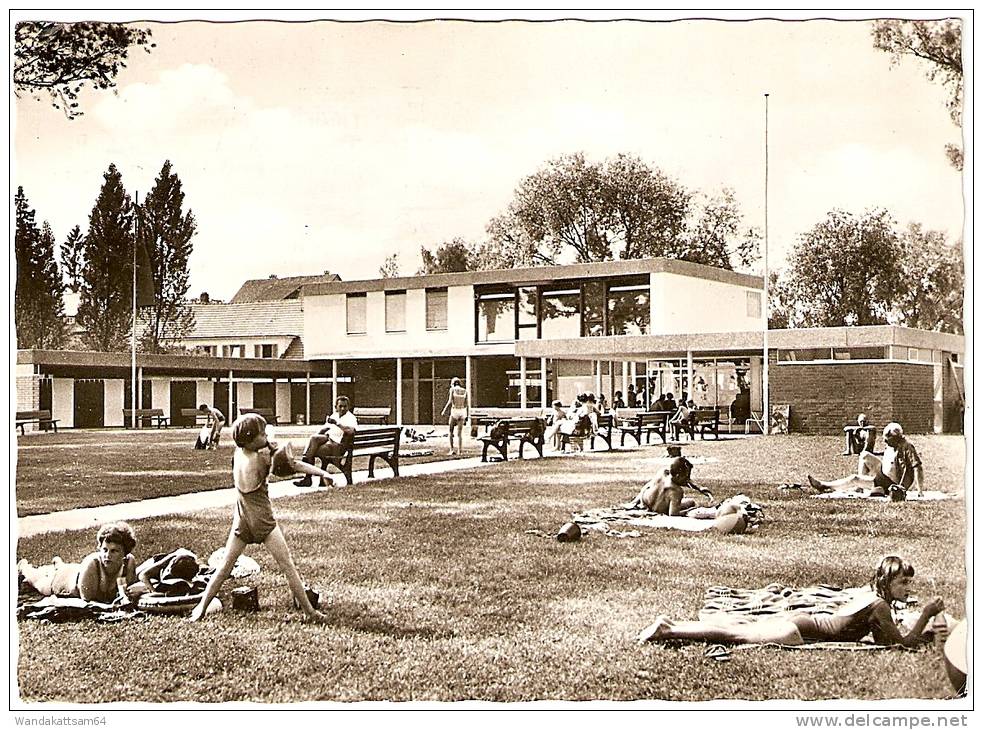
71,363
732,343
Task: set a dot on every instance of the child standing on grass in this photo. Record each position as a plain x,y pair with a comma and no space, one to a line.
253,521
216,419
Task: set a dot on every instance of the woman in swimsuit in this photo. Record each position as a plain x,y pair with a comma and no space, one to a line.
459,403
871,614
97,578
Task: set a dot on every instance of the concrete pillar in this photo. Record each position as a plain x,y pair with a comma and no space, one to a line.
63,401
204,393
467,377
542,383
334,384
689,372
597,378
624,378
282,400
399,390
112,403
307,404
522,382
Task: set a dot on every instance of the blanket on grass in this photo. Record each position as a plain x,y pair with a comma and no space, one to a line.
607,520
59,610
912,496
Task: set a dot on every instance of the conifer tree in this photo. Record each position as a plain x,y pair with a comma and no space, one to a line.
38,307
73,259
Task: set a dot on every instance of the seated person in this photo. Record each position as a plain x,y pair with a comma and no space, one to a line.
664,493
861,438
338,427
682,419
899,468
618,401
553,416
870,614
98,577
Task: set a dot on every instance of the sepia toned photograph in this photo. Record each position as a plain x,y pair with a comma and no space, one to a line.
455,357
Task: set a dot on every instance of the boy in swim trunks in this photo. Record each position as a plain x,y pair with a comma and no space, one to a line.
252,520
459,403
216,419
664,493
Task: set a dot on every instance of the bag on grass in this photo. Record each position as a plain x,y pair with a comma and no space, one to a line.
203,437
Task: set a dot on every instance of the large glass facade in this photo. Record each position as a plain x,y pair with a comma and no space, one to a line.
560,314
496,317
628,310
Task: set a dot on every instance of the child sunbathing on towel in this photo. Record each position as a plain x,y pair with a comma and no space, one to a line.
871,614
100,577
664,493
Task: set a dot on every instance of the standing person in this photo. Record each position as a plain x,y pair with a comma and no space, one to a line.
899,468
216,419
252,520
459,405
338,427
631,397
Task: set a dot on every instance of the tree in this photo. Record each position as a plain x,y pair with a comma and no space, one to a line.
38,307
844,271
937,43
59,59
107,288
449,257
390,267
931,294
164,233
718,237
73,259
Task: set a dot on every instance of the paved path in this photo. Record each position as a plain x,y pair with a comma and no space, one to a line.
90,517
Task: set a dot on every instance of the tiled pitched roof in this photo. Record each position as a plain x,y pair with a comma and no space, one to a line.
270,319
275,289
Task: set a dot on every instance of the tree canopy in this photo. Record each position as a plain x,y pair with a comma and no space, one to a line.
58,59
38,306
449,257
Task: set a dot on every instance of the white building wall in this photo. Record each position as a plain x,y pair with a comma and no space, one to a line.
63,401
244,395
204,393
112,402
160,394
685,304
325,327
283,401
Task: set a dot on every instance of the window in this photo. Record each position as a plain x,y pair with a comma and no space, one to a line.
267,351
355,313
527,313
593,308
496,317
395,311
628,309
754,304
858,353
436,309
233,350
561,313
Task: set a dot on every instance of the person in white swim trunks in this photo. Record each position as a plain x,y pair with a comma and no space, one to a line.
459,405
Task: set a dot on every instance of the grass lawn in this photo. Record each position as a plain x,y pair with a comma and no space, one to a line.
437,593
69,469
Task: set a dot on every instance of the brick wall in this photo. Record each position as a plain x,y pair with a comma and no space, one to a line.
826,396
28,393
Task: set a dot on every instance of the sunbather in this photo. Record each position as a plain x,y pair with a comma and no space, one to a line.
870,614
664,493
898,469
100,574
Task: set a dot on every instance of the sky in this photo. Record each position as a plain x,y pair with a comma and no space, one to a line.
307,147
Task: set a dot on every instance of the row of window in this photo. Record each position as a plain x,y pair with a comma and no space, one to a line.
879,352
356,311
263,351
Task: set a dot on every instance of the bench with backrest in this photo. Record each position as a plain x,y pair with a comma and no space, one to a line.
200,418
704,421
367,416
488,417
524,430
372,442
267,413
647,422
42,418
146,416
605,430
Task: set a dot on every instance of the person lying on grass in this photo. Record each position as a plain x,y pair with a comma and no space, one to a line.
664,493
898,469
101,576
252,520
869,614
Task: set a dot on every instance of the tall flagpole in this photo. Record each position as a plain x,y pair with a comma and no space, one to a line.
133,332
766,416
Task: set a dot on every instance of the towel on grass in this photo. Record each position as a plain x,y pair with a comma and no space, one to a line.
59,610
605,519
912,496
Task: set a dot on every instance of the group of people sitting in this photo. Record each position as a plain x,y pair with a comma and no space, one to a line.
578,421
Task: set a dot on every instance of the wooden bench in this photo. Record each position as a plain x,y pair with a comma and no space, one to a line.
371,442
488,417
515,429
42,418
605,430
648,421
372,415
705,420
266,413
151,416
195,414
